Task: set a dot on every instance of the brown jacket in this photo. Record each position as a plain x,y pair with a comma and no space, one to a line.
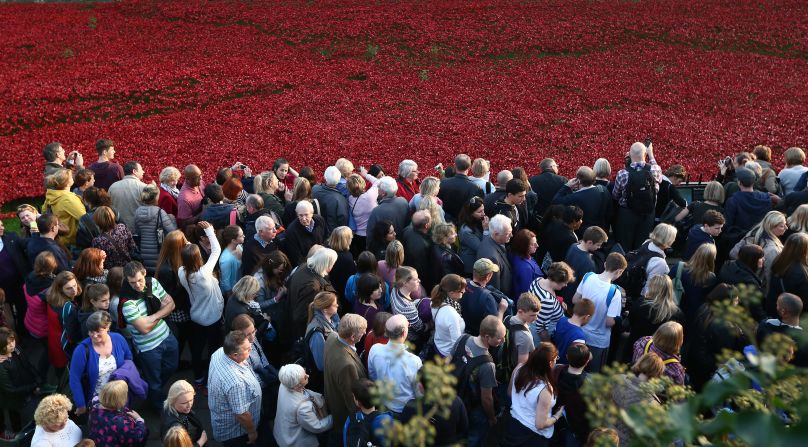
341,368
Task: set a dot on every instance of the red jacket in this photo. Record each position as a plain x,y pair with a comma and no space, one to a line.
167,202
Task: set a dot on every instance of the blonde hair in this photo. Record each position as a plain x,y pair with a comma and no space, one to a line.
345,166
168,173
50,410
404,274
702,264
441,232
794,156
394,254
60,179
669,337
798,220
177,436
323,300
246,288
660,293
430,204
765,227
480,167
177,389
663,235
714,192
429,187
114,394
340,239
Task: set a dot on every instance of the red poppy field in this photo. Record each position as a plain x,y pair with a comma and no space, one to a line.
173,82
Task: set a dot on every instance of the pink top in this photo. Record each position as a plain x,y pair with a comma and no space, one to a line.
36,317
189,201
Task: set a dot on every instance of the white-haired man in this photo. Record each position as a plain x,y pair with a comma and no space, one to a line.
333,204
392,363
493,248
308,229
392,208
635,190
260,245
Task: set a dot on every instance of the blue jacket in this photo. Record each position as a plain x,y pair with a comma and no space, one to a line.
81,362
696,237
217,214
745,209
38,244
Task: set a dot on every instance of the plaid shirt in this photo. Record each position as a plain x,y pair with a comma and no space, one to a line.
619,192
233,389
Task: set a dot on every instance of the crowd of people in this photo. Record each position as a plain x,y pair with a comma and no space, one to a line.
301,301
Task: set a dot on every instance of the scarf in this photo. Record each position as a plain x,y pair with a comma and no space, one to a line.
171,190
453,303
327,325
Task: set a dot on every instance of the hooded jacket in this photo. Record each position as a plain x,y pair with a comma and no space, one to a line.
68,208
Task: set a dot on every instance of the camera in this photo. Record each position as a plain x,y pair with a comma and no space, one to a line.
648,141
727,161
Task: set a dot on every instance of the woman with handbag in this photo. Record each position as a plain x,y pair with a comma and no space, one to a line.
95,359
151,225
301,413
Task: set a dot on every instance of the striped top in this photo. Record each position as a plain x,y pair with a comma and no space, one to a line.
405,306
551,310
134,309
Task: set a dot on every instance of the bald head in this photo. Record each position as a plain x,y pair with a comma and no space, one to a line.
585,175
397,327
421,220
637,152
504,177
192,174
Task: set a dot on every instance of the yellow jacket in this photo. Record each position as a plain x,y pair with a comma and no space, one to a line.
68,207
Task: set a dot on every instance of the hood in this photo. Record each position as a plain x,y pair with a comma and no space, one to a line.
53,196
35,284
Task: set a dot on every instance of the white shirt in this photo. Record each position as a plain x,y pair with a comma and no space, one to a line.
523,408
68,436
448,328
597,290
105,367
393,363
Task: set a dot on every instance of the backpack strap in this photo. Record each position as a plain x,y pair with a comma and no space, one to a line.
460,349
612,291
587,275
648,348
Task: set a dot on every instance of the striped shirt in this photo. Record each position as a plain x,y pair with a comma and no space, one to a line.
232,389
405,306
134,309
551,310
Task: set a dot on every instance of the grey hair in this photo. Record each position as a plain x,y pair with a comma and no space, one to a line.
322,261
263,222
388,185
396,326
602,168
99,319
504,177
332,176
304,205
168,173
638,150
499,223
290,375
406,167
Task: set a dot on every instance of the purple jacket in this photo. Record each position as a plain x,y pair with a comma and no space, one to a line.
128,372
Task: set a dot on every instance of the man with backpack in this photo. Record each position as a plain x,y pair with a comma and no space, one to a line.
518,343
711,225
365,428
479,301
143,305
570,330
475,371
635,190
608,304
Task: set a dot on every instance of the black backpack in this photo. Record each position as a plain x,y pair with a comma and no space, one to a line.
468,390
641,190
633,278
360,433
507,355
301,354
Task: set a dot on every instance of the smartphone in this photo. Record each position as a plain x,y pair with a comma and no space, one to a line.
727,161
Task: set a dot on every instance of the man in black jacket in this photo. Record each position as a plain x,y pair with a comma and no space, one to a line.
417,244
513,204
546,184
308,229
594,200
456,191
260,245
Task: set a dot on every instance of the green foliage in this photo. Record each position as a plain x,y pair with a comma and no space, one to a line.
730,412
439,394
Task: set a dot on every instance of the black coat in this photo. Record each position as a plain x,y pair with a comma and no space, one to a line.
304,284
546,186
297,240
334,206
734,273
596,203
455,192
556,240
253,254
417,248
444,261
189,422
